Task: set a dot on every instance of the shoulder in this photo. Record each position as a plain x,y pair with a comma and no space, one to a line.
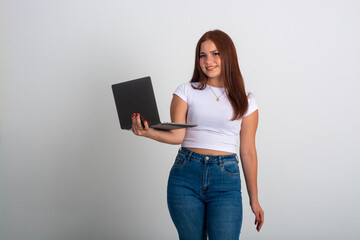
252,105
186,87
251,98
185,90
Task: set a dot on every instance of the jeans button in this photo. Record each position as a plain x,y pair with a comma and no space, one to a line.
206,158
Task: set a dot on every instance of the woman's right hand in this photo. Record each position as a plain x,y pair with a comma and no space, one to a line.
137,127
178,111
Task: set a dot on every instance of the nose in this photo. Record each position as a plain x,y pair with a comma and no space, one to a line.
208,60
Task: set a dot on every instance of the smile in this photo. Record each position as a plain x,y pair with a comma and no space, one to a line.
211,68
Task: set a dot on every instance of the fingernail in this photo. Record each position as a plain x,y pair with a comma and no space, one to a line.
137,114
259,220
133,115
145,121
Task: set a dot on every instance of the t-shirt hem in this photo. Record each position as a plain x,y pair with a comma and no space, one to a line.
210,148
180,96
250,112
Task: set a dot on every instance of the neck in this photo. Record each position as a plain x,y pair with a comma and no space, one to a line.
215,83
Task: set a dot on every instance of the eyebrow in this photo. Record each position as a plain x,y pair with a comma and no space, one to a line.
210,51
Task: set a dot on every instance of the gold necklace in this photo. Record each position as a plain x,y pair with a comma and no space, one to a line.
217,97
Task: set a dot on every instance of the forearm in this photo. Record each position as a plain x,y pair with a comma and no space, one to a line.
249,165
171,137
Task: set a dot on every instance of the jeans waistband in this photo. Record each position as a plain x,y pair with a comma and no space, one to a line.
207,158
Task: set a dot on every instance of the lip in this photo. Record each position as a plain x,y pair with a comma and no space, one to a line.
211,68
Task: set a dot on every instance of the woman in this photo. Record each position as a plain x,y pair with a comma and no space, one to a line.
204,189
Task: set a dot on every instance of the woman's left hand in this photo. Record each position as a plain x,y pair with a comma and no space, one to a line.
259,215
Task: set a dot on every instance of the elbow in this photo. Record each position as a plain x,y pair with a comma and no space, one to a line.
179,136
178,141
248,155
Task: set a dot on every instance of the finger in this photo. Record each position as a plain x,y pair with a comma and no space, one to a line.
133,129
260,222
146,124
133,120
257,222
138,121
259,226
257,218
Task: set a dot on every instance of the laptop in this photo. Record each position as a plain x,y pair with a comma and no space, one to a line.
137,96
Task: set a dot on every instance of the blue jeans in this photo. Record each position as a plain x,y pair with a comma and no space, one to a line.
204,196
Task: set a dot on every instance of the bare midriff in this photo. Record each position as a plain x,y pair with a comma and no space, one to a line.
208,151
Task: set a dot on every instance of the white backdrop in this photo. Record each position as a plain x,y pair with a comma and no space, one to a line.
69,173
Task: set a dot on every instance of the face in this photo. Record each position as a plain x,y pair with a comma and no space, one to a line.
210,62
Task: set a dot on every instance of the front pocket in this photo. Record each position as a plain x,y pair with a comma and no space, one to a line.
180,160
231,167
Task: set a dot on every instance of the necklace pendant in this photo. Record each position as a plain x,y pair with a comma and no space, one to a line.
217,99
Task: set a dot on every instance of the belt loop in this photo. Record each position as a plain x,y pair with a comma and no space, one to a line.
180,150
237,158
189,156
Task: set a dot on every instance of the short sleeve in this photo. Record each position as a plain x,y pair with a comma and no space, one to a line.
252,105
182,91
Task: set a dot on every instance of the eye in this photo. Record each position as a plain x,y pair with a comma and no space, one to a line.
202,55
216,54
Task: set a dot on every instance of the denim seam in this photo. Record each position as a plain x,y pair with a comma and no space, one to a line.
203,190
209,179
238,173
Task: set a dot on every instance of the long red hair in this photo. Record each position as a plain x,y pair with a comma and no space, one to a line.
230,71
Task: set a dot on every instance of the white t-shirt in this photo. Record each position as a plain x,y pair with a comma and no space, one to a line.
215,129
